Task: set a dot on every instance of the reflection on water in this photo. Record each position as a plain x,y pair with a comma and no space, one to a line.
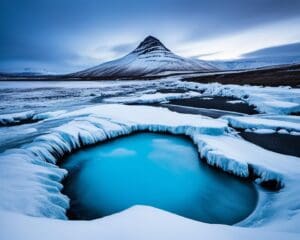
163,171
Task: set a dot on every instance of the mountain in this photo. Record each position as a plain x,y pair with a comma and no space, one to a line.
27,72
150,58
255,63
266,57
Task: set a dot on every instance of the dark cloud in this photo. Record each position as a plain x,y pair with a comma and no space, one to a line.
48,31
292,49
229,16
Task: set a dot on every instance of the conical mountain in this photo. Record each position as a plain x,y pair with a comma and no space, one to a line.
150,44
150,58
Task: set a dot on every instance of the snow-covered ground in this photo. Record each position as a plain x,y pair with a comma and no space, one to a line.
256,62
152,97
274,100
68,118
266,123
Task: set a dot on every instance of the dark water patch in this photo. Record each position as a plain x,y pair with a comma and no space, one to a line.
159,170
281,143
295,113
98,99
216,102
213,113
172,90
17,121
273,185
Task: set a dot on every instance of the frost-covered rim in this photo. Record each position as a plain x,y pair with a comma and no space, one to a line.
40,179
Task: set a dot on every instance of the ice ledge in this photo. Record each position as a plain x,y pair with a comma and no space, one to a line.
11,119
266,123
35,179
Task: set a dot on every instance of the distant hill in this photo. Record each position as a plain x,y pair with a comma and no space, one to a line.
273,56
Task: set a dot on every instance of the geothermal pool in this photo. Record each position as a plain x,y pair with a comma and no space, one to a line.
159,170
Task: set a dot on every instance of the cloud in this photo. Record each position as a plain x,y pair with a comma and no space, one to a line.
62,33
206,54
292,49
123,48
236,44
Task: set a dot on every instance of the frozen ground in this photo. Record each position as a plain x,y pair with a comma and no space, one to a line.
68,116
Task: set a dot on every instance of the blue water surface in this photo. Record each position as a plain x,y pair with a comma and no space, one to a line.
158,170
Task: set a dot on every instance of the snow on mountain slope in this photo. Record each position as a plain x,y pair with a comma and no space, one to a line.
151,57
256,62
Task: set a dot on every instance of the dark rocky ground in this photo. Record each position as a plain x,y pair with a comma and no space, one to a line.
215,102
279,76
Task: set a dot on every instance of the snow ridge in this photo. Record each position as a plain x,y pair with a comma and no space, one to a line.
15,118
28,116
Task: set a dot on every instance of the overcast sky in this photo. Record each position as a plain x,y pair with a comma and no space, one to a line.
70,35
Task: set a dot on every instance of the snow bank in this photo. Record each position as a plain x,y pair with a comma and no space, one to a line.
139,222
152,98
275,100
28,116
235,155
31,186
15,118
45,115
263,124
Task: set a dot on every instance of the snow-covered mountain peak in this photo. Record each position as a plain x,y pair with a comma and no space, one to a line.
150,44
150,58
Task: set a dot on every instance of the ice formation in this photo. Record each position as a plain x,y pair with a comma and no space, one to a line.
40,181
152,98
272,100
264,124
31,182
21,117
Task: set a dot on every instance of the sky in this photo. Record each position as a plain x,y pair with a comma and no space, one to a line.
69,35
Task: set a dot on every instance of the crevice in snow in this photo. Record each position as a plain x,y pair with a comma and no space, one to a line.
267,181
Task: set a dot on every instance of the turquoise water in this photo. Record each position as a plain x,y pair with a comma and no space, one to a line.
162,171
